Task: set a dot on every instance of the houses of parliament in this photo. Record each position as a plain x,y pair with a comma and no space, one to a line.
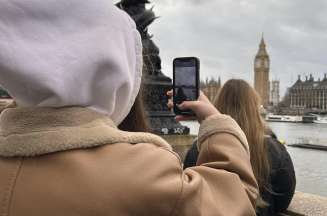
307,95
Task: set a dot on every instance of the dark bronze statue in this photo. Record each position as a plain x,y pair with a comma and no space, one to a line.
155,83
143,18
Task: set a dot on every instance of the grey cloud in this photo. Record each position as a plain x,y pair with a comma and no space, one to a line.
225,34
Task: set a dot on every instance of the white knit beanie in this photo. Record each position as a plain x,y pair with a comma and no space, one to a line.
58,53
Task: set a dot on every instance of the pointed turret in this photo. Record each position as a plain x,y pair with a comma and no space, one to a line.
262,43
262,52
311,78
219,82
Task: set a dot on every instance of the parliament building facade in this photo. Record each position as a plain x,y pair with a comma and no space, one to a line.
309,94
211,88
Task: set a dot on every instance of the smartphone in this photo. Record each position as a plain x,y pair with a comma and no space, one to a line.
186,76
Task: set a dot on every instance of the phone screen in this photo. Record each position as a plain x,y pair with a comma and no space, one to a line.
186,72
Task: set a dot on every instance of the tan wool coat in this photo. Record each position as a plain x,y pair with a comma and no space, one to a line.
75,162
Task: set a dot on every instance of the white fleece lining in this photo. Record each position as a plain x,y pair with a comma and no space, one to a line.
26,138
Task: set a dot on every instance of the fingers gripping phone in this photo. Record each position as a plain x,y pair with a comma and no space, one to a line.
186,76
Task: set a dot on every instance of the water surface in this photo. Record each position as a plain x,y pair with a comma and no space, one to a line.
310,165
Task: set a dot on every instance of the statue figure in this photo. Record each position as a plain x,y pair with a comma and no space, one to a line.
155,83
143,18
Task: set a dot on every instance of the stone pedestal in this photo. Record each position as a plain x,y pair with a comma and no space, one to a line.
162,120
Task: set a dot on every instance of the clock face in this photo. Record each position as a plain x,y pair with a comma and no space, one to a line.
258,63
266,63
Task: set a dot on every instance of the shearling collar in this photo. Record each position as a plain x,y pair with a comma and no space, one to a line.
37,131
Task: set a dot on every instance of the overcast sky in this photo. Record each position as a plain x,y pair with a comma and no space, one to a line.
225,35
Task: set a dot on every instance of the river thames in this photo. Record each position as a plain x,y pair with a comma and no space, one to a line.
310,165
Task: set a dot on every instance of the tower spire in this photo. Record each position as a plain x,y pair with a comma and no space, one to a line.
262,43
219,82
262,36
262,47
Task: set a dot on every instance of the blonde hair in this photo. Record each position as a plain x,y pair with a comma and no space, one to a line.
239,100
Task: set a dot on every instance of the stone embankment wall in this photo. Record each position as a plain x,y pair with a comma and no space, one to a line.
180,143
307,204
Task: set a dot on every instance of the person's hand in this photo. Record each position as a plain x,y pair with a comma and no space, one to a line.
202,108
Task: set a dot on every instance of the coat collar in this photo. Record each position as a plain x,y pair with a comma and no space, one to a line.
37,131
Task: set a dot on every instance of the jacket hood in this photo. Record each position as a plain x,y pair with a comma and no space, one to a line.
70,53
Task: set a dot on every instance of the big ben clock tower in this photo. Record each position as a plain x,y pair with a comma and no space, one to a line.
261,73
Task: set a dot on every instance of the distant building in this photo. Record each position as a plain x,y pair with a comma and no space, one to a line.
261,73
211,88
309,94
274,93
